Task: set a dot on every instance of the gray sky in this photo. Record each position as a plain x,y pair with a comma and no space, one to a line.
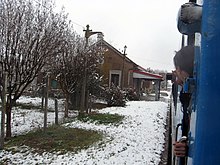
147,27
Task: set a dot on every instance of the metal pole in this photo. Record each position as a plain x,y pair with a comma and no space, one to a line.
88,33
183,41
122,77
83,91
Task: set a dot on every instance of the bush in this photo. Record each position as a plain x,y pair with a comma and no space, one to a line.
131,95
115,96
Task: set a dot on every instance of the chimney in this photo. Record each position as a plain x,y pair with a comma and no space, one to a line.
100,36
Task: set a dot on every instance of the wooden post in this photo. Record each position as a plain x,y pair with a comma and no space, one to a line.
56,111
46,102
157,90
42,97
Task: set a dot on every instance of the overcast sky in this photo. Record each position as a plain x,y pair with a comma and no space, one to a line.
147,27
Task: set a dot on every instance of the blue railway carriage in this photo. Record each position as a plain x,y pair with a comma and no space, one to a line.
204,133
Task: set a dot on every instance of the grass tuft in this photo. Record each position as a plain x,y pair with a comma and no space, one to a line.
100,118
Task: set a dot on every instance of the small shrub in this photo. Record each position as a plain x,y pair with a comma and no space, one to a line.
115,96
131,95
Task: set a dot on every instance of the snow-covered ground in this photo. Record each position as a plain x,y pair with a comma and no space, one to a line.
138,140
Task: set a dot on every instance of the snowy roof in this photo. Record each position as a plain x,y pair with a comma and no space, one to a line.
146,75
103,42
139,72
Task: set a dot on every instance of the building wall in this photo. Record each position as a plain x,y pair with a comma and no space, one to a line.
113,63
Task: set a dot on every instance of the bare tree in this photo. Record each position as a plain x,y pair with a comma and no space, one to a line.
67,67
70,64
28,35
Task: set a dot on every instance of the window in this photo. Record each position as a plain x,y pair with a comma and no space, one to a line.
115,77
54,84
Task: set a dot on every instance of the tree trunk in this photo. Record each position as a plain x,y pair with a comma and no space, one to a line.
3,111
66,105
87,103
8,120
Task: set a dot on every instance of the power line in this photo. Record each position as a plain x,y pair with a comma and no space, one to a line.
78,24
71,20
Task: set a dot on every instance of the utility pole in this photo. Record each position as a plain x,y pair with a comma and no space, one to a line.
88,33
123,77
